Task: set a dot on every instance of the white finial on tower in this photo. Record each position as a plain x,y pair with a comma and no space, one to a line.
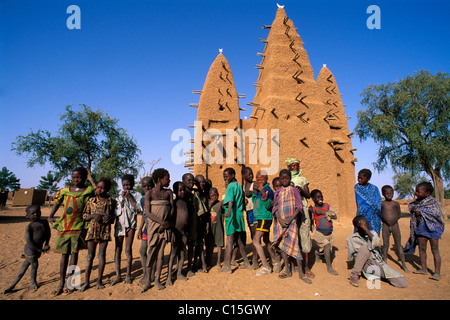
324,65
280,6
220,50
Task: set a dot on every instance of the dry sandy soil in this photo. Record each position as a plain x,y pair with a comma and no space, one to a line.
240,285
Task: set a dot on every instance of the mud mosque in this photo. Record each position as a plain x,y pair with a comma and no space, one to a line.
293,115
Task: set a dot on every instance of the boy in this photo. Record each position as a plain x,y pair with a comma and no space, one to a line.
217,223
368,200
262,203
426,225
247,175
364,249
390,213
37,236
234,218
323,214
196,209
147,184
179,240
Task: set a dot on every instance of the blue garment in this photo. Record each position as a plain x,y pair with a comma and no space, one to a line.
429,224
368,203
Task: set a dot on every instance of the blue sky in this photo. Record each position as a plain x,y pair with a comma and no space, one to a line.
141,60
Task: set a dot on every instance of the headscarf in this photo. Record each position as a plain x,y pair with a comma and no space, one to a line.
290,161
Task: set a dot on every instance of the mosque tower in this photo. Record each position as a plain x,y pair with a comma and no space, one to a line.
305,119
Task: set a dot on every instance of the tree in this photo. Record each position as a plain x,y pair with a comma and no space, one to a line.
86,138
409,119
49,183
405,182
8,180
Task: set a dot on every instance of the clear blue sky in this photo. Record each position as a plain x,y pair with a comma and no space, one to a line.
141,60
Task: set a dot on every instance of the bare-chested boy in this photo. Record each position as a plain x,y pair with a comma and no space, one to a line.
390,213
37,236
179,235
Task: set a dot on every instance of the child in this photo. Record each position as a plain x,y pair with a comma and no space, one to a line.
368,200
247,175
426,225
196,209
37,236
158,210
234,218
203,186
179,237
390,213
217,223
147,184
70,227
287,205
99,212
276,184
302,184
262,199
364,249
323,213
128,207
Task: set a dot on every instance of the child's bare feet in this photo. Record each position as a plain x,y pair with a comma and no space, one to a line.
277,267
354,279
420,271
84,287
159,286
115,281
226,270
436,277
100,285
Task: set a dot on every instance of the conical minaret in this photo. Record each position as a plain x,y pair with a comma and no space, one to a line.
288,98
340,139
218,110
304,118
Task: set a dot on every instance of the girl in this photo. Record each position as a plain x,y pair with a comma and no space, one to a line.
128,207
71,228
158,210
426,225
99,212
287,205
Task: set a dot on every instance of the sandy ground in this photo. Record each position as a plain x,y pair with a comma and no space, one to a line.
240,285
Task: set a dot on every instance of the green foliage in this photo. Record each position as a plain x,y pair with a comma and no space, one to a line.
85,138
410,121
405,183
8,180
49,183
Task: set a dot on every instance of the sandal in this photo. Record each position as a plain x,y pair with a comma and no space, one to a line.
305,279
263,271
284,275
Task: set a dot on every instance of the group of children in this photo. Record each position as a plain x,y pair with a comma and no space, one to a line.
193,220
